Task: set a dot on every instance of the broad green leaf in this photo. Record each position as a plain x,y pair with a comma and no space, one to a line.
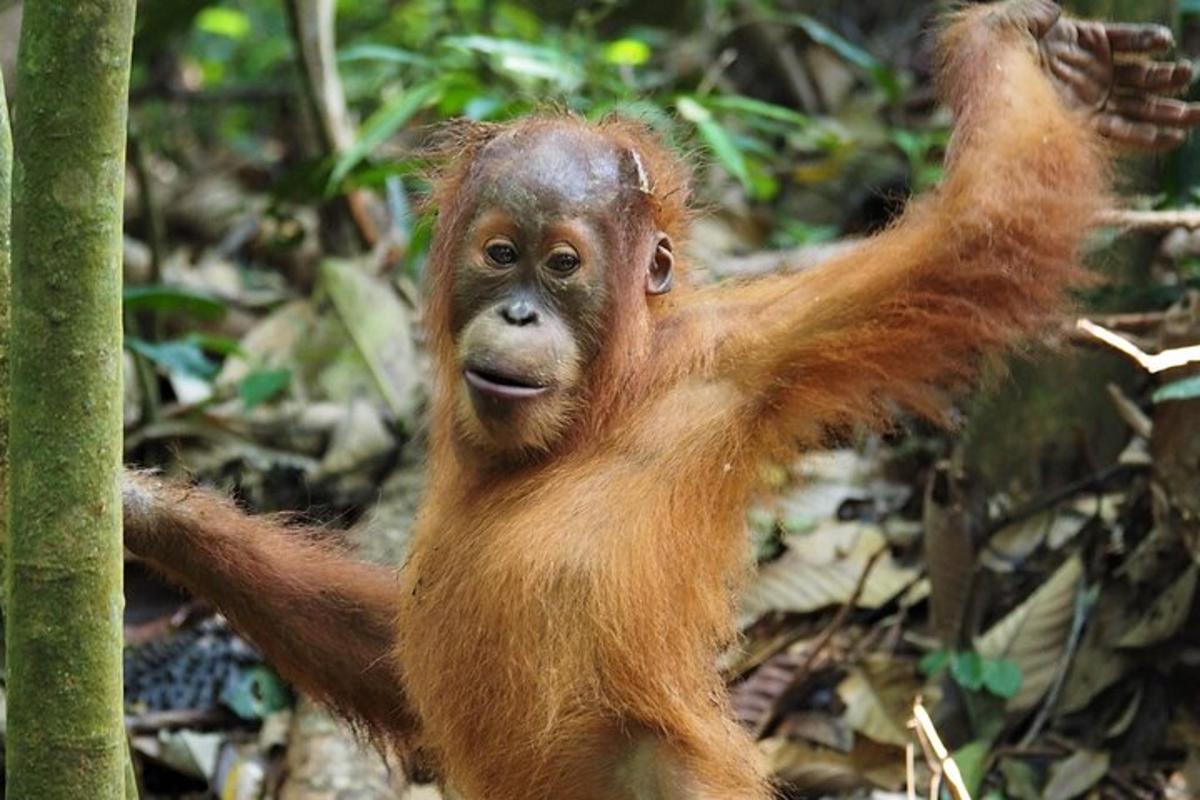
166,298
382,124
262,385
220,21
1184,389
967,669
934,661
716,137
627,52
176,356
1001,677
972,761
211,343
256,693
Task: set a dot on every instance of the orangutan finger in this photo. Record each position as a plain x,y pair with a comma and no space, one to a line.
1133,38
1142,135
1157,110
1153,76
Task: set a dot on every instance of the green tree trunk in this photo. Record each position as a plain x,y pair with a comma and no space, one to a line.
65,732
5,267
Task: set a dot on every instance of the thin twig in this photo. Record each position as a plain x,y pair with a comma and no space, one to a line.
1159,362
910,770
1096,482
1139,421
948,767
1131,219
1084,601
819,644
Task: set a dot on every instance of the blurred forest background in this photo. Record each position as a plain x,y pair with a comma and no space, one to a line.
1031,575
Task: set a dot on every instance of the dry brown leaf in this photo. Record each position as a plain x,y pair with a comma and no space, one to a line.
381,328
1034,634
878,698
1157,551
1075,775
810,768
1165,615
797,583
1094,668
817,770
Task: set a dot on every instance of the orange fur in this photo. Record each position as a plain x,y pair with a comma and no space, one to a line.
560,613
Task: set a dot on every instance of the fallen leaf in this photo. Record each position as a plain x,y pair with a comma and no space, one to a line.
878,697
796,583
1034,634
1075,775
1165,615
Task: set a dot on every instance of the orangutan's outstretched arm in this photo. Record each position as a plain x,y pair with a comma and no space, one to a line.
986,257
324,620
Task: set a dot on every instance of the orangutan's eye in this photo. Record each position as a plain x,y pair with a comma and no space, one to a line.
563,261
501,252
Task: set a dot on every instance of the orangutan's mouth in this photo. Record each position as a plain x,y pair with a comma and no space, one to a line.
502,385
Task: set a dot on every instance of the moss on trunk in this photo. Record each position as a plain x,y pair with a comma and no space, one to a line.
65,732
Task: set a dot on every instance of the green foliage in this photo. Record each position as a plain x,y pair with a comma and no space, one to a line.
262,385
999,677
883,76
257,693
384,123
923,150
227,22
172,299
183,356
409,64
1183,389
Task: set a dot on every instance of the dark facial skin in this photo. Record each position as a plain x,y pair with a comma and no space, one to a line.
533,284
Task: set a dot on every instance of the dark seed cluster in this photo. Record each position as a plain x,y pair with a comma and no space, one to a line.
189,669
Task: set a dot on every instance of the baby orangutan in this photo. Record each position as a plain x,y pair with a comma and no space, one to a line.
598,422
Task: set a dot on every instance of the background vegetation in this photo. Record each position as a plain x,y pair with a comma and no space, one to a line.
1031,575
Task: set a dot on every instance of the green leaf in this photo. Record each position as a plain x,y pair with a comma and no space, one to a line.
227,22
262,385
524,60
717,138
627,52
748,105
379,52
967,669
972,760
164,298
934,661
1001,677
382,124
256,693
1184,389
880,73
221,345
176,356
